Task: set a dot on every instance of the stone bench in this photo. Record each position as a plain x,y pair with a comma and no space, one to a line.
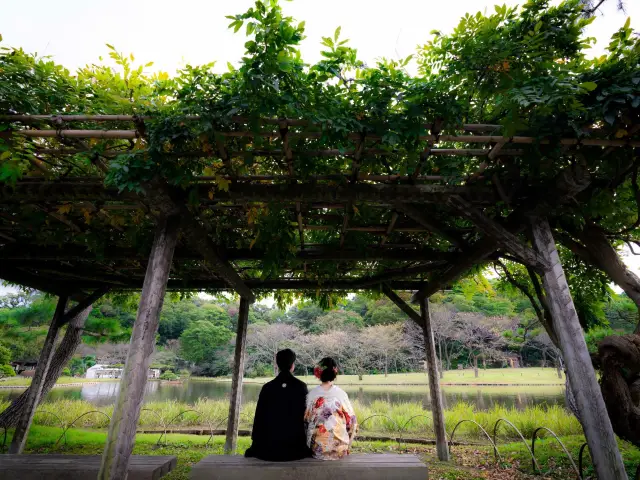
79,467
353,467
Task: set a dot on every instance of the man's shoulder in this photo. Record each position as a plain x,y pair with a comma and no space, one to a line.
291,381
299,383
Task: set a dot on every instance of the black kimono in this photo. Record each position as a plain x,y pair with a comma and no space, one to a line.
278,428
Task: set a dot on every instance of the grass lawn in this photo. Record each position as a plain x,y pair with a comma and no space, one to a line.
490,376
468,462
26,381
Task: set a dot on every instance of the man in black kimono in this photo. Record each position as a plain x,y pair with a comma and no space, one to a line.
278,428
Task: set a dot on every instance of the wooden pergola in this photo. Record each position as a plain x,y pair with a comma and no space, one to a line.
372,230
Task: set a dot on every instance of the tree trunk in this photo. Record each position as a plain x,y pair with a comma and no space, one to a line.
601,253
440,359
235,402
23,424
559,370
434,384
448,355
544,358
126,412
386,364
595,421
475,366
620,388
64,354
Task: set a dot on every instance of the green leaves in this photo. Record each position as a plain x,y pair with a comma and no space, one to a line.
589,86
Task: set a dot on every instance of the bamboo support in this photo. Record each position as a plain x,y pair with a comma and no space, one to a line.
470,127
131,134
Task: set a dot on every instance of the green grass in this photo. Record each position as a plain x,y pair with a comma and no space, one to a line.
490,376
26,381
410,419
468,462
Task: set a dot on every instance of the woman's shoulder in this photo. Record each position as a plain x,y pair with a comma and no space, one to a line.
315,391
334,391
340,392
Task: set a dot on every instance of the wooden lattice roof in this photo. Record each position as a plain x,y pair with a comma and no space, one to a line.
63,230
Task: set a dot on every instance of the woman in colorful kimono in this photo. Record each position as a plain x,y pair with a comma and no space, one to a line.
331,421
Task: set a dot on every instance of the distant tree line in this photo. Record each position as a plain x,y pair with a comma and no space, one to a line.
479,322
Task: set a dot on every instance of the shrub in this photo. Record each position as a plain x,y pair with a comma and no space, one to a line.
66,372
7,371
168,375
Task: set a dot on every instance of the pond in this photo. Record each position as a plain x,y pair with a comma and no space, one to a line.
483,398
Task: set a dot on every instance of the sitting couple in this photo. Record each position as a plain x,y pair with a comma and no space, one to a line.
292,423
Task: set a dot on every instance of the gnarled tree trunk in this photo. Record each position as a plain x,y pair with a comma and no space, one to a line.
619,356
620,381
61,357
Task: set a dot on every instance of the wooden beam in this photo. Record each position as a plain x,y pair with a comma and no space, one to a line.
392,223
524,140
294,284
435,138
345,223
501,235
292,122
582,377
7,238
300,224
54,285
83,304
401,304
25,252
476,254
61,219
495,151
568,183
200,240
430,224
124,422
355,170
171,201
42,368
64,191
235,403
437,411
393,273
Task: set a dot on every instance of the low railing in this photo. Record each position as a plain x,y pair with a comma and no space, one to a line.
215,424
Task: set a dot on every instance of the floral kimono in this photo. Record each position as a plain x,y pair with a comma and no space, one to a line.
331,423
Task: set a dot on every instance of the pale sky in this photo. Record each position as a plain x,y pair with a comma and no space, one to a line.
175,33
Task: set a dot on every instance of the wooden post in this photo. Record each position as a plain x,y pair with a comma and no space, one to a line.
238,375
434,383
122,429
24,423
595,421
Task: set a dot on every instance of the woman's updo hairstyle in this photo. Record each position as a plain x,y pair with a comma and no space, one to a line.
327,370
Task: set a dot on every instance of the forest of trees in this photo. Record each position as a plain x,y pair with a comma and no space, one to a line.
480,322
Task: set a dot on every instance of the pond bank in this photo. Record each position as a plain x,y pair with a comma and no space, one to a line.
77,384
533,376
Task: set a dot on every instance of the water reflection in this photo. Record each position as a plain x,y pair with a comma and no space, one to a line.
485,398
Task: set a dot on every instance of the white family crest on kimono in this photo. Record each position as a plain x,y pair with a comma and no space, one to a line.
331,422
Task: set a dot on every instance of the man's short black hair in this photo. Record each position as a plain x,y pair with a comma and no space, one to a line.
284,359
